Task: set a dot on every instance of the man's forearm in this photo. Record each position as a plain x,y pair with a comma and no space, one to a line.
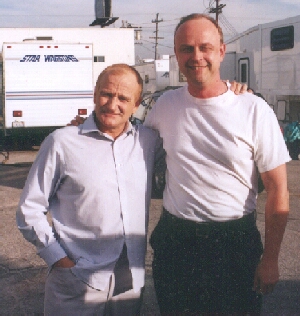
275,223
267,272
276,214
276,210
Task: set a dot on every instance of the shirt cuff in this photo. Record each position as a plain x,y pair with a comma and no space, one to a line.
52,253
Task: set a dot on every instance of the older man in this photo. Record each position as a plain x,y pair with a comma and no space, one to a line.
208,254
95,181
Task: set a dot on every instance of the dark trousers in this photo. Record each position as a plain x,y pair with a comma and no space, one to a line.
206,269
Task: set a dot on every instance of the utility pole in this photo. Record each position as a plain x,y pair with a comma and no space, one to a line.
156,21
217,10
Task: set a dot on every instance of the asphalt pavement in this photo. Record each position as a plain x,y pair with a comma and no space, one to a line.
23,273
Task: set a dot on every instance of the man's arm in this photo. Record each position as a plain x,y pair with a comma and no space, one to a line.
236,87
77,120
41,183
276,214
159,173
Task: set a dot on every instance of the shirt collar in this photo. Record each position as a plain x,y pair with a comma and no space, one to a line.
90,126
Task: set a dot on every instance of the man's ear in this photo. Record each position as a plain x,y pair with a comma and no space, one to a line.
137,104
175,50
222,50
96,94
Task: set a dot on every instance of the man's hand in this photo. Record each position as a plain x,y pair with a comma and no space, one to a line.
238,88
266,276
65,262
77,121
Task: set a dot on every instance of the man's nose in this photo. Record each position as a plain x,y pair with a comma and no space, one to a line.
197,54
112,103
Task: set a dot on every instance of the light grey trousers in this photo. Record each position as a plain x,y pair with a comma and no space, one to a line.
66,295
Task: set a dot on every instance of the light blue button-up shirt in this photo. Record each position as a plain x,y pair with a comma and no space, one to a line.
97,191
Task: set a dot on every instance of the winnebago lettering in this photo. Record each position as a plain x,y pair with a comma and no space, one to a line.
60,58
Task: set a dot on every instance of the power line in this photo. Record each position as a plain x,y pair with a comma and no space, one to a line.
162,45
227,25
156,21
220,16
217,10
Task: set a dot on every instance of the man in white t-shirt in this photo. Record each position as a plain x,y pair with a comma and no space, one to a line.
208,254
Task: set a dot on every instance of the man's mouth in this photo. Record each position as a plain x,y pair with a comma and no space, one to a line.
109,113
196,67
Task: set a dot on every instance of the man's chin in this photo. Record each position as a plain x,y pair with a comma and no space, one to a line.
108,122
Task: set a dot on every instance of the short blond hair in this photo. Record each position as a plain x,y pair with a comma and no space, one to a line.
198,16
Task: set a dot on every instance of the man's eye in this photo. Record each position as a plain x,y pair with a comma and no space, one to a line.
123,99
206,48
186,49
104,94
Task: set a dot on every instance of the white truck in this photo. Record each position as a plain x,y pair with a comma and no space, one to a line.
48,75
267,58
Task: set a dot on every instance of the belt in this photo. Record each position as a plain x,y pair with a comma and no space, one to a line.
198,228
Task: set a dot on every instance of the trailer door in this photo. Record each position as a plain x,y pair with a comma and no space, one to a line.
243,71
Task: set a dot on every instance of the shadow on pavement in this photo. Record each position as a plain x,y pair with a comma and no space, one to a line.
21,289
285,300
14,176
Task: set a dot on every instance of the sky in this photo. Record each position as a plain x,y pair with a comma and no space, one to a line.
237,16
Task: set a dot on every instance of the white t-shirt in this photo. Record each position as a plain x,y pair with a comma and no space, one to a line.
213,147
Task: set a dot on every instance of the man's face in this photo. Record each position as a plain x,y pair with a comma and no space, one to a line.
199,51
116,98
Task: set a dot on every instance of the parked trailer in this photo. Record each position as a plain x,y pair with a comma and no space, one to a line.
155,74
177,78
267,58
46,83
48,75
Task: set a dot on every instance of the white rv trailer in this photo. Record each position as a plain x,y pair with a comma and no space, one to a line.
44,84
155,74
177,78
146,70
267,58
158,76
48,75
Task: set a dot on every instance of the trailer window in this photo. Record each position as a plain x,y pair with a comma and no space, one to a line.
244,73
99,59
282,38
243,68
44,38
